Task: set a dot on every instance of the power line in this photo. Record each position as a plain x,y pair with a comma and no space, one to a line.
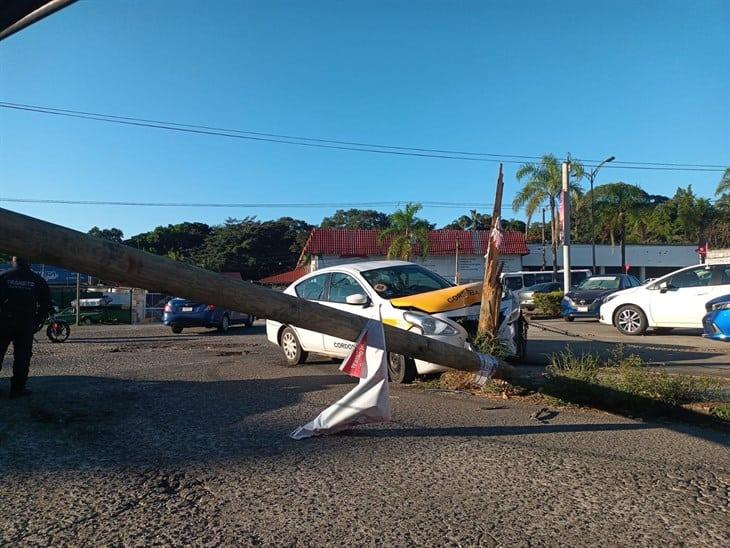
340,205
341,145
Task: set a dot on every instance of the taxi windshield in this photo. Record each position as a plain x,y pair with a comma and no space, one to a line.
393,282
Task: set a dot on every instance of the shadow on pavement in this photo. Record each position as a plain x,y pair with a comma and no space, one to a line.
234,332
478,431
73,422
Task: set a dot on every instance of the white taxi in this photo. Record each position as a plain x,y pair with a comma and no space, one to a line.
364,289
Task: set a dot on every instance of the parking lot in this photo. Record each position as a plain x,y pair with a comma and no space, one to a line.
139,436
680,351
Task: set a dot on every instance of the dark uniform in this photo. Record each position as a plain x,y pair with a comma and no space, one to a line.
25,301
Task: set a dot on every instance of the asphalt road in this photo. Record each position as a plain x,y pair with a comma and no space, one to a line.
134,436
678,351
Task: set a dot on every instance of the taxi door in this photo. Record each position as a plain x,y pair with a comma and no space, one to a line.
341,286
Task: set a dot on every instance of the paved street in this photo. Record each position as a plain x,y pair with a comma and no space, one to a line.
136,436
678,351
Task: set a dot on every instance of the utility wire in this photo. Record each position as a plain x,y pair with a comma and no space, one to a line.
449,205
341,145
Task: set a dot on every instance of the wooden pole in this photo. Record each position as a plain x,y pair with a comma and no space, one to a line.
456,264
491,287
53,244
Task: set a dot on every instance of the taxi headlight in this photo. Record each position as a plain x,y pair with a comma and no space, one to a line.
721,306
429,325
609,297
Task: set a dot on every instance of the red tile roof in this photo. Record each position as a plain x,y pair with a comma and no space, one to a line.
285,278
363,243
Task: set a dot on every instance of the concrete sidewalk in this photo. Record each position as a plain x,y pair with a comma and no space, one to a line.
678,351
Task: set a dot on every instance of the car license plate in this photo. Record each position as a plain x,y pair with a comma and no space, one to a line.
187,308
580,309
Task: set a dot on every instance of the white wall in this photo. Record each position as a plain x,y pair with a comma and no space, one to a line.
471,267
718,256
674,256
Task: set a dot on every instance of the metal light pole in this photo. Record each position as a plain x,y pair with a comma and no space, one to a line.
591,177
565,220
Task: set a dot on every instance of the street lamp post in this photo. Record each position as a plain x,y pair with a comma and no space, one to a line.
591,177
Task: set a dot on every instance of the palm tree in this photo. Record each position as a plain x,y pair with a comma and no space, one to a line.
406,231
543,182
616,204
724,185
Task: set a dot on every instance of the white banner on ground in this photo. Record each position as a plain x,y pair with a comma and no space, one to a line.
369,401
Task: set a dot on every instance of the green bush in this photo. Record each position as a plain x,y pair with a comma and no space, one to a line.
548,303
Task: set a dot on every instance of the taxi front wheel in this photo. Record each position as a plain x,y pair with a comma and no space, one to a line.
401,370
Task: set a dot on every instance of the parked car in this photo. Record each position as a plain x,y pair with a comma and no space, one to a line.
717,320
514,281
675,300
586,299
526,297
180,313
86,317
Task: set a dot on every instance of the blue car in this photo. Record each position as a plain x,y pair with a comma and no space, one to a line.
585,300
717,320
180,313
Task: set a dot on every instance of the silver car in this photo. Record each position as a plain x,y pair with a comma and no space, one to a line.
527,296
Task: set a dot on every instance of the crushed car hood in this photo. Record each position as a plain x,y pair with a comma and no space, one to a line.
442,300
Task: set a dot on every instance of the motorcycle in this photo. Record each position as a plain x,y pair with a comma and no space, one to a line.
57,331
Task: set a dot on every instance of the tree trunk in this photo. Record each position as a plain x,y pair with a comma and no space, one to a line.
554,234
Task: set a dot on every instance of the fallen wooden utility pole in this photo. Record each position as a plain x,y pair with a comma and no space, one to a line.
45,242
491,287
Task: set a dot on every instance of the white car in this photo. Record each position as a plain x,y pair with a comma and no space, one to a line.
363,289
675,300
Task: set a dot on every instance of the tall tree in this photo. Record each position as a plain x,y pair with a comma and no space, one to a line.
541,182
473,221
353,219
255,249
111,234
181,241
406,231
723,186
615,204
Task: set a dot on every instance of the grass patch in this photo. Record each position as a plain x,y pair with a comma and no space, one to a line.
491,346
625,383
722,412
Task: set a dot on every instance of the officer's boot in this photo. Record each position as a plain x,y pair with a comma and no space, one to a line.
17,388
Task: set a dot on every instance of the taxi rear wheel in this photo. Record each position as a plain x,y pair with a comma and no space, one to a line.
401,370
292,348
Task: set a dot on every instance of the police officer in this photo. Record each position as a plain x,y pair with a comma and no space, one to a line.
25,301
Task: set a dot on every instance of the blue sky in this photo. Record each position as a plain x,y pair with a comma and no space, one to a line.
644,81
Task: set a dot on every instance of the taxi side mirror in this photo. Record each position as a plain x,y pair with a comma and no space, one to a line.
357,299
